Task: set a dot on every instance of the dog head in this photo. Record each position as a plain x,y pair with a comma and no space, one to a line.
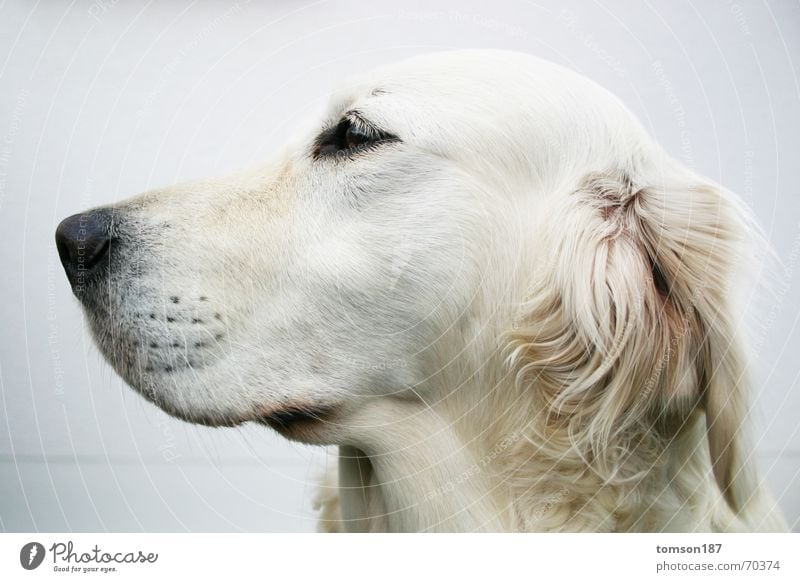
436,204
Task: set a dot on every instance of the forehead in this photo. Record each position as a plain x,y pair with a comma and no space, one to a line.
429,101
446,82
486,108
468,89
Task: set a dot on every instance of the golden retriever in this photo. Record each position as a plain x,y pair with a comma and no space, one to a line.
481,279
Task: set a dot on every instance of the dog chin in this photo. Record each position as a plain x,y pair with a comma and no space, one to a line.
306,424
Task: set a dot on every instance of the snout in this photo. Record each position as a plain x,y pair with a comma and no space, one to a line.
84,242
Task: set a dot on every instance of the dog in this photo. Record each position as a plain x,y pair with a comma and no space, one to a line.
481,279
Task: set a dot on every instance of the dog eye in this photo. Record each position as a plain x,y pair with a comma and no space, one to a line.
349,136
356,136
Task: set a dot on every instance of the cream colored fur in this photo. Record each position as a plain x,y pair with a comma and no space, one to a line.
521,316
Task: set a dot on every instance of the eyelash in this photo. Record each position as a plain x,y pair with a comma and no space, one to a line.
332,141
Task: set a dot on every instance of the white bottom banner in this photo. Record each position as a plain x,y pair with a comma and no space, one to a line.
55,556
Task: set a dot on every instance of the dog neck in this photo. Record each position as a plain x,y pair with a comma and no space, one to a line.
471,452
464,464
430,463
417,475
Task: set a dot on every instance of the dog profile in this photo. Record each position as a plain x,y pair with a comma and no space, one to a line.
481,279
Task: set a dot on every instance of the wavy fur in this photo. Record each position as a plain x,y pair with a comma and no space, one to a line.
509,308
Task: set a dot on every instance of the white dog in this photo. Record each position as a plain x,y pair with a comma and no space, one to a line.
481,279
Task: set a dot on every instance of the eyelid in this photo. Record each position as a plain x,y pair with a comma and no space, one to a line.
354,118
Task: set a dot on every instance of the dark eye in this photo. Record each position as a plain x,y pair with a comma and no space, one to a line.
349,136
355,136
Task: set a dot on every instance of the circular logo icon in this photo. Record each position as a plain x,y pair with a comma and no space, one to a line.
31,555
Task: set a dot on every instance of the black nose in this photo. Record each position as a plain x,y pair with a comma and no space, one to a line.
83,241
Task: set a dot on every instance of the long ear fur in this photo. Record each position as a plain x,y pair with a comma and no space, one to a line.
630,328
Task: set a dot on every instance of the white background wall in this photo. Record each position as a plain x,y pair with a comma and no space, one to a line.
99,101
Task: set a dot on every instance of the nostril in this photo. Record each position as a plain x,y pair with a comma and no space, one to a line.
83,240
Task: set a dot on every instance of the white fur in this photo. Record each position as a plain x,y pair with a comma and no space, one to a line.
516,319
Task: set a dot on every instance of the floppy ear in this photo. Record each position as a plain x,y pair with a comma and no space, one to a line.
630,328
